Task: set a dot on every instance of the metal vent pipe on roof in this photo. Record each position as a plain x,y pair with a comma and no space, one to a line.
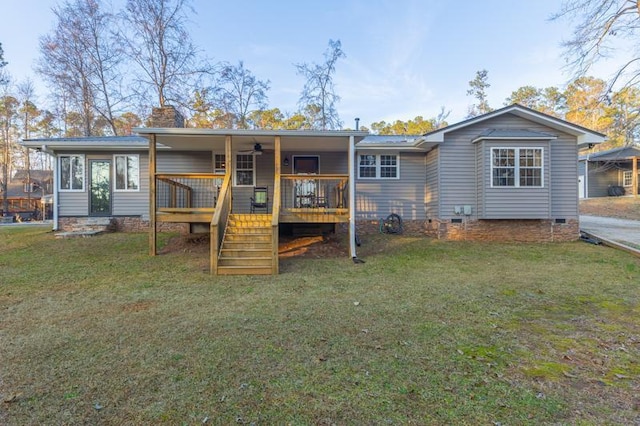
357,124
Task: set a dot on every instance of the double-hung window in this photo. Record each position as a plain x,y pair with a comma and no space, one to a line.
71,172
127,172
219,164
516,167
378,166
245,175
627,178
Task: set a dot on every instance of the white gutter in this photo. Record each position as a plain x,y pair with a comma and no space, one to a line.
243,132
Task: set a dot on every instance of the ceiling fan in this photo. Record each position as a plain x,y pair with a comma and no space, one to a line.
257,150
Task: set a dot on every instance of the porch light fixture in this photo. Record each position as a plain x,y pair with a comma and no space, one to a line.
286,161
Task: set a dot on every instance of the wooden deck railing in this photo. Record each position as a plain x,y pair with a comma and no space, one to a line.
187,190
219,222
314,191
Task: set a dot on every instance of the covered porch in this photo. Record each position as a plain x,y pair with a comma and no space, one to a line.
209,179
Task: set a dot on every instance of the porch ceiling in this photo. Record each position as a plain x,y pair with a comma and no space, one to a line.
214,140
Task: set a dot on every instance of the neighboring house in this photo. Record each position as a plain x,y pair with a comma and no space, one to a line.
603,173
25,193
508,175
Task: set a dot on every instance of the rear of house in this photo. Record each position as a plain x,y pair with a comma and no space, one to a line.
509,175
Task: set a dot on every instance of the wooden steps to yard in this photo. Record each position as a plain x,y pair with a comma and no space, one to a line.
247,247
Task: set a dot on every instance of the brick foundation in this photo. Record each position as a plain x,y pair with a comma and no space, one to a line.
473,230
484,230
123,224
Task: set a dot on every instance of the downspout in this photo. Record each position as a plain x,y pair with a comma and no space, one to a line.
352,201
586,177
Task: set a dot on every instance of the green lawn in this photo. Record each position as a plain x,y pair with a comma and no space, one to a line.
94,331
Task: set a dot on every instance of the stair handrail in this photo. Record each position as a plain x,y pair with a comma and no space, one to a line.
219,221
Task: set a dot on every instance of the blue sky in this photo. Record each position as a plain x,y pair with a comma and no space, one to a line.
404,57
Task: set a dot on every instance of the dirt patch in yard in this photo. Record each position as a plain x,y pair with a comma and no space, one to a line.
313,247
322,246
618,207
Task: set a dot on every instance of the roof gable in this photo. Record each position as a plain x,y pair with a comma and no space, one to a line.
583,135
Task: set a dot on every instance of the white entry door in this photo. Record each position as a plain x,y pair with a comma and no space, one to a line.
581,186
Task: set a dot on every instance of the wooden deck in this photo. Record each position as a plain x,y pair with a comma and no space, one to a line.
185,214
314,215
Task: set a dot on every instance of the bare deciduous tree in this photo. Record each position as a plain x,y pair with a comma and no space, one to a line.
157,40
27,118
81,58
8,112
600,25
3,78
241,93
318,94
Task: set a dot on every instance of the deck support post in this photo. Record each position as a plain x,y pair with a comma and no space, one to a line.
634,180
275,210
153,226
229,164
352,198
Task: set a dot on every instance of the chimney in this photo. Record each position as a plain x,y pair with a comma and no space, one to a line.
357,124
167,116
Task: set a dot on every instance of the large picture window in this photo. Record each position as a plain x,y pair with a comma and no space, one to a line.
378,166
516,167
127,172
71,172
245,170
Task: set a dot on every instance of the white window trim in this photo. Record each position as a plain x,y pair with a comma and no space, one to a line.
235,171
213,160
84,173
379,166
517,166
627,175
115,175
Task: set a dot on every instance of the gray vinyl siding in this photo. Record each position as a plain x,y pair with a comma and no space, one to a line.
432,194
133,203
330,163
478,209
563,172
600,178
458,171
514,202
73,203
377,198
461,172
264,172
184,162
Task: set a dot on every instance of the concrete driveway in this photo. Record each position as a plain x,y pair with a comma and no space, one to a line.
619,230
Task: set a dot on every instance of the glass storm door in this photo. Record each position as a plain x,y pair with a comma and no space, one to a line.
100,188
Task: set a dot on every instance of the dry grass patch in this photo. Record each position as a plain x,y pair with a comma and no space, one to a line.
619,207
95,331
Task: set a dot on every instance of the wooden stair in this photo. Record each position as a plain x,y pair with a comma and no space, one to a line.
247,247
